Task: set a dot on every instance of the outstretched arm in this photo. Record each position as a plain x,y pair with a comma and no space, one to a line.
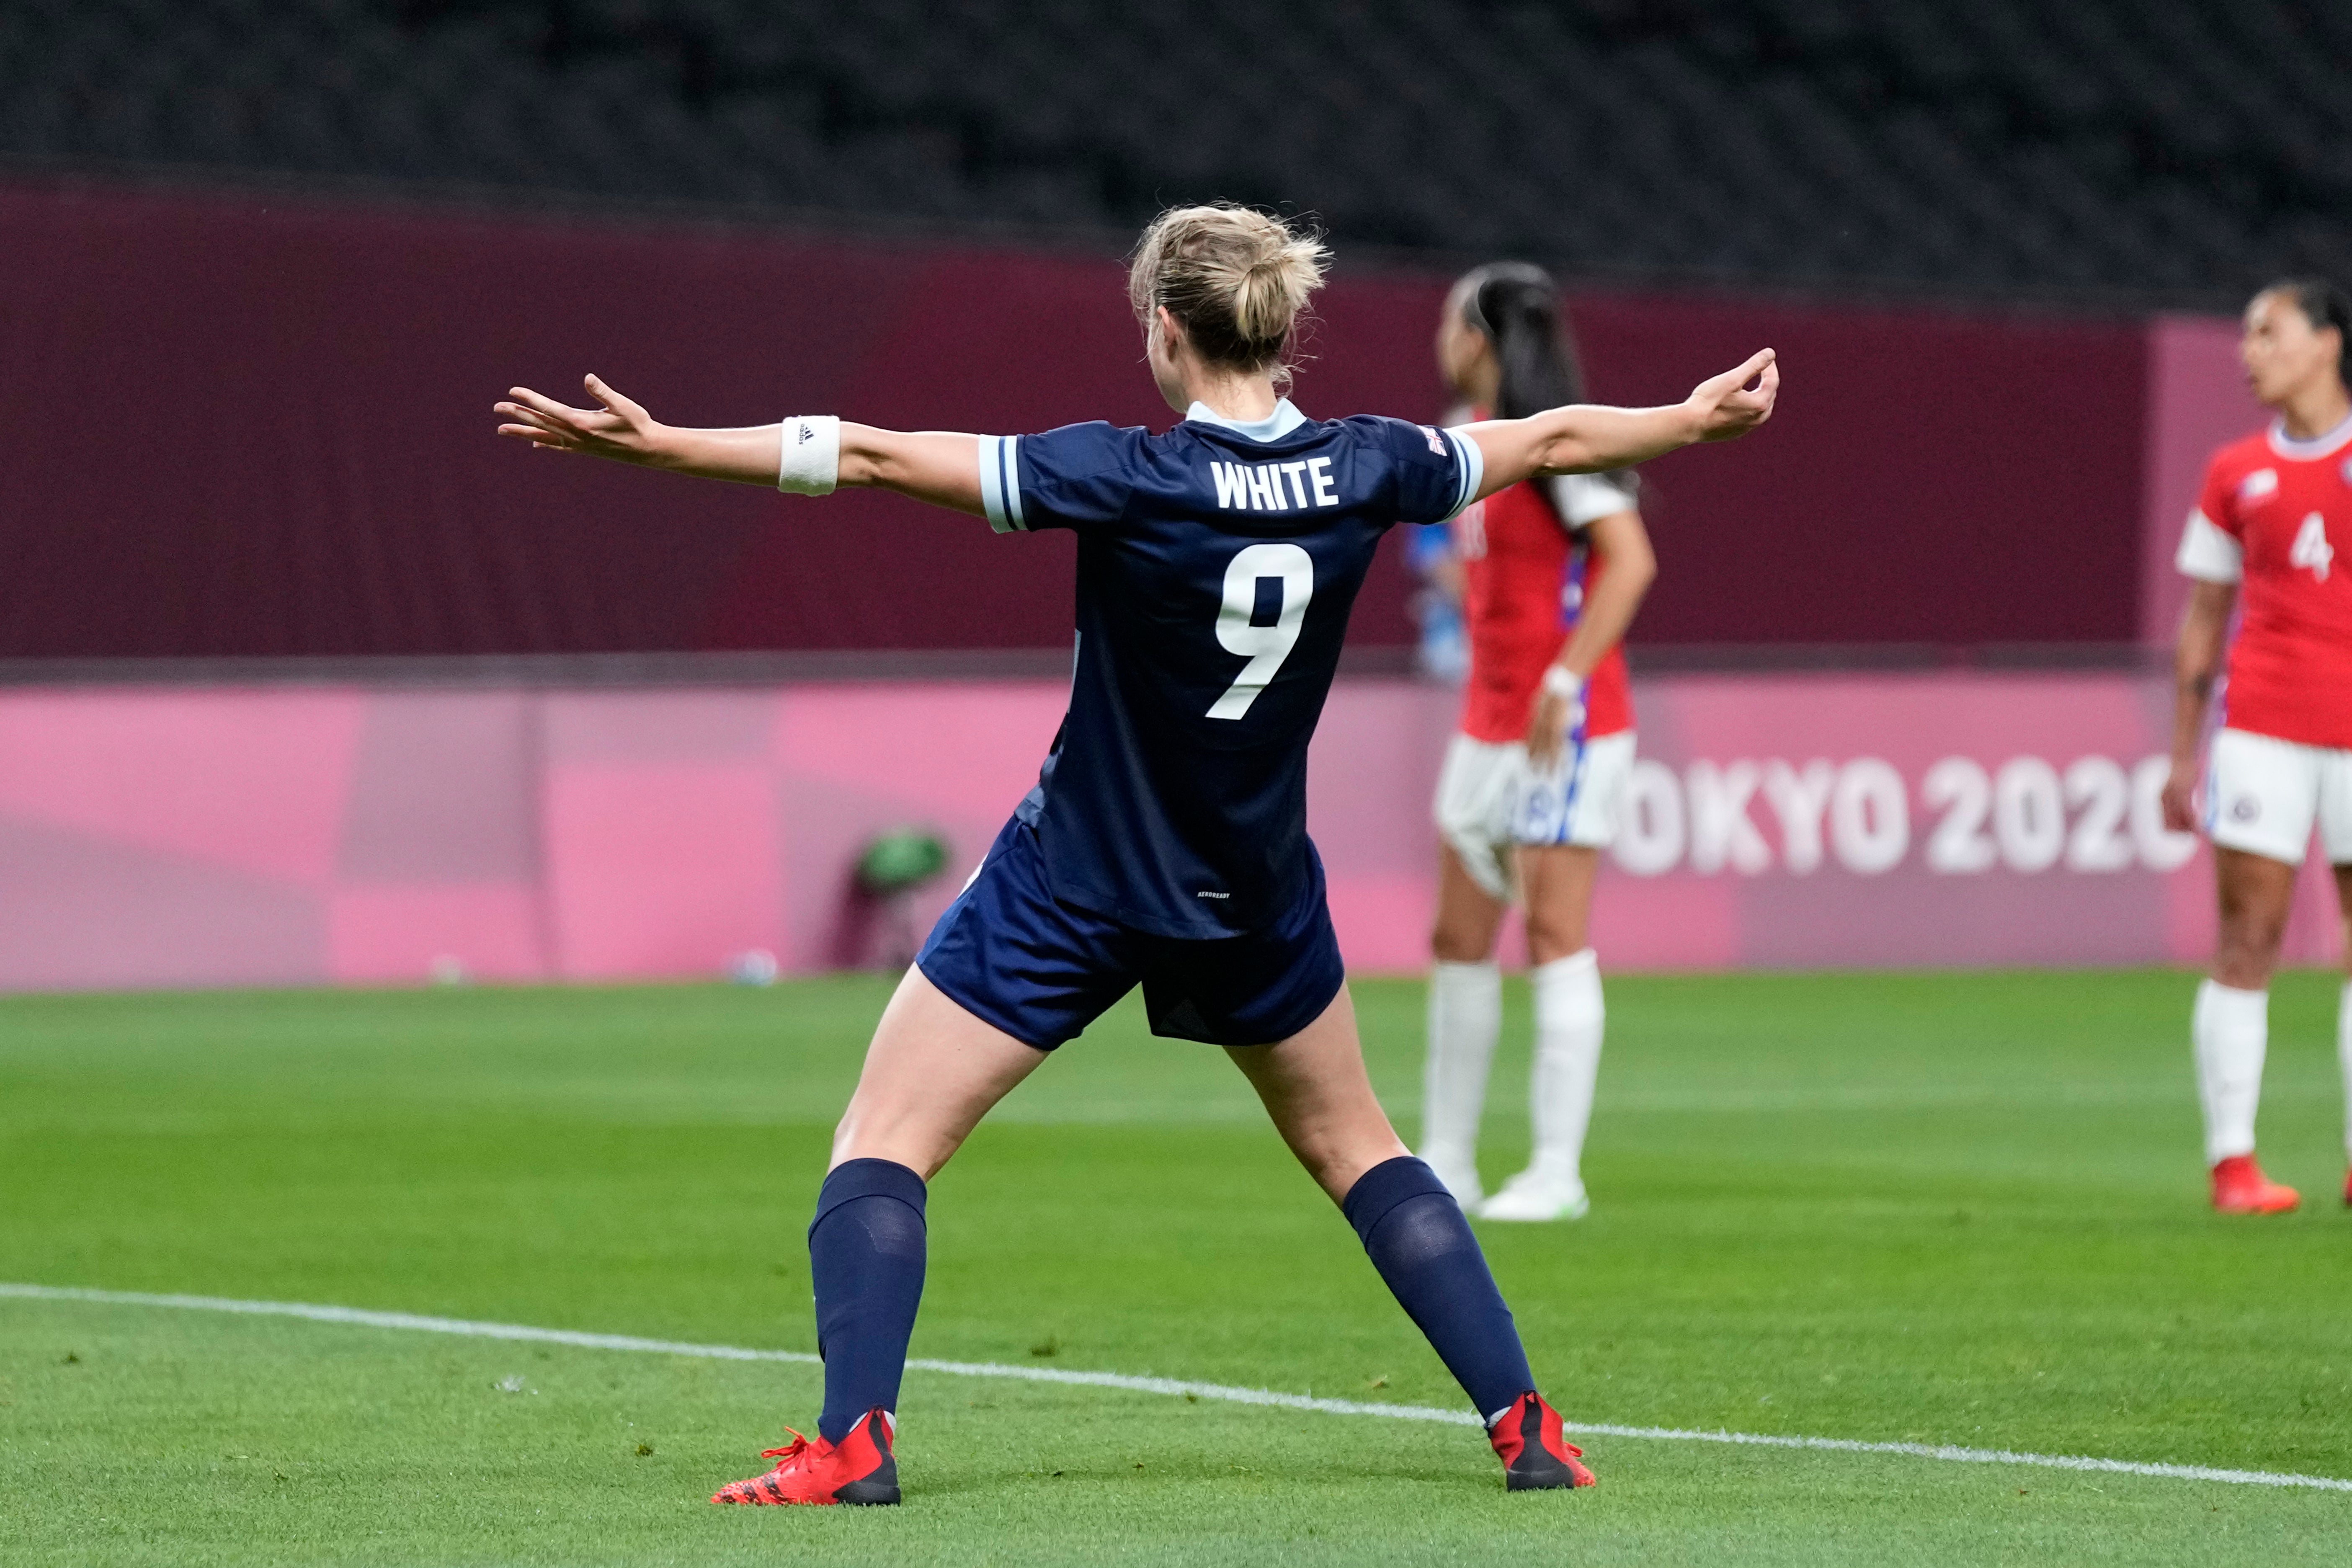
1584,438
934,466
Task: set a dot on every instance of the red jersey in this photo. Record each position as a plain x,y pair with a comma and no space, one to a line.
2269,514
1524,572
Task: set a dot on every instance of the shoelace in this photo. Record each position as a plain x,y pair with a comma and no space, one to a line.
799,1443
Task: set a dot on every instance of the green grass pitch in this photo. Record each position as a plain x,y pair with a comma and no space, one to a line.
1960,1209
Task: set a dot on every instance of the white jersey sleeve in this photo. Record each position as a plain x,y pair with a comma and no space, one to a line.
2208,553
1582,500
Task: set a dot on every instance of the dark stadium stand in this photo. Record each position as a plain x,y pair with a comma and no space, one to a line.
2163,149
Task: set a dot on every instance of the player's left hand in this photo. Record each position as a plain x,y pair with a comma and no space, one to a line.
616,428
1726,406
1556,715
2180,797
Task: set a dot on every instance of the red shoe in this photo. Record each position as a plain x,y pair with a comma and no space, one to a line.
857,1469
2347,1192
2240,1187
1535,1453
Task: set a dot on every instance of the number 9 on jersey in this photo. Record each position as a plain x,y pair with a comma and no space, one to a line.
1264,646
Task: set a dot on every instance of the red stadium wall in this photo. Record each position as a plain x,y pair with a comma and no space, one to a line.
2198,401
241,426
284,837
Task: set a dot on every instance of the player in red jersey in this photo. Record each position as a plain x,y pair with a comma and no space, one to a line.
2264,528
1553,573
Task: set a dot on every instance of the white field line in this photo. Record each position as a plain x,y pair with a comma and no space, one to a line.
468,1329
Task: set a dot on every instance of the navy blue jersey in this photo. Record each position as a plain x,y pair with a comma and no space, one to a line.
1216,566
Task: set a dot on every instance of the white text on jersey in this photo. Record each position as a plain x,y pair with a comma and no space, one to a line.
1275,487
2311,548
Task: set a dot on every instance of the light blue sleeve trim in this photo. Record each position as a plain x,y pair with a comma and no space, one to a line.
1472,463
1012,482
1000,483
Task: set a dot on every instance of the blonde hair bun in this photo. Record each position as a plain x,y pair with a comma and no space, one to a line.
1238,280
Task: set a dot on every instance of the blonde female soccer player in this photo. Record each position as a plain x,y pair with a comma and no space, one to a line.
2263,531
1165,843
1553,570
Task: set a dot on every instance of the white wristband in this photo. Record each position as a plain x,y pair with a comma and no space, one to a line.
810,464
1558,683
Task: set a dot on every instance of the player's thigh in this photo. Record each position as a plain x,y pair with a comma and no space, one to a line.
2263,796
1007,974
1316,1089
1558,879
933,1070
1468,915
2335,832
2343,905
2256,894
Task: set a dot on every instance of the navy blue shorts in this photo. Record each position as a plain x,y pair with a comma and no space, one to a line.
1041,970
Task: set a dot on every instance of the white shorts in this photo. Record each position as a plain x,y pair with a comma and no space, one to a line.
1491,800
2262,794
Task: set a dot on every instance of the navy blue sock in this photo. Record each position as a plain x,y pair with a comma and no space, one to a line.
865,1255
1415,1234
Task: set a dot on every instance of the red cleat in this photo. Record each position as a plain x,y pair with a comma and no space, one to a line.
857,1469
2240,1187
1535,1453
2347,1192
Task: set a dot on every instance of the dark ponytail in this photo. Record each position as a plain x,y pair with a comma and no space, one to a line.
2323,305
1516,308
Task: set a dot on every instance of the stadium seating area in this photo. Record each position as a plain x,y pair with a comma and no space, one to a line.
2169,148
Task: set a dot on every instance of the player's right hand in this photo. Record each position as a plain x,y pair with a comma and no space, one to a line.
616,428
2181,798
1726,406
1554,717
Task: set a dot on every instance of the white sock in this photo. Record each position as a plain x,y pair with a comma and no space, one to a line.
1568,1019
2344,1056
2232,1029
1465,1014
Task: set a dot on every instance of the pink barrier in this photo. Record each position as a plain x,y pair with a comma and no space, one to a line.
1845,820
287,837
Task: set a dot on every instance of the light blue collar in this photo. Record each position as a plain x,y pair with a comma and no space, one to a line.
1273,428
2285,444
